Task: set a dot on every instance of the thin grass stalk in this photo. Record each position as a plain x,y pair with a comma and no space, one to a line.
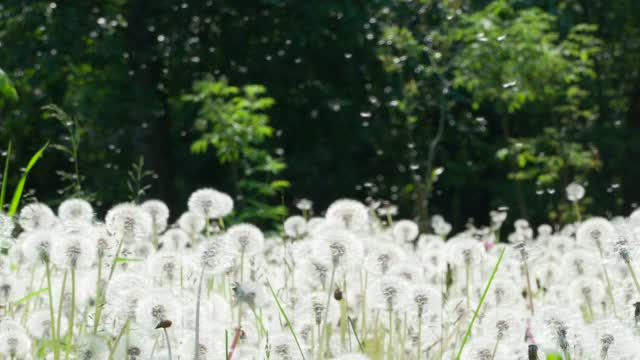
484,294
353,328
284,314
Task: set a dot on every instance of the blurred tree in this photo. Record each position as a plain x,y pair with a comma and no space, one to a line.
233,121
359,94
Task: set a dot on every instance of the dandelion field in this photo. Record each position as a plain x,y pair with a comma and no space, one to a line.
319,180
354,284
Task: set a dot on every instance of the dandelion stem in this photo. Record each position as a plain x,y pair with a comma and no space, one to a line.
529,290
419,350
64,282
51,313
495,349
166,339
633,275
576,209
196,355
114,347
72,314
98,296
468,289
390,342
326,311
484,294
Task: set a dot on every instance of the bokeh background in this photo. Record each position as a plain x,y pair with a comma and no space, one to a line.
452,107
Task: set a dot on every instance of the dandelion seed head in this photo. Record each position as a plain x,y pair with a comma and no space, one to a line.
210,203
295,226
36,216
129,223
159,213
405,230
75,210
350,214
575,192
245,238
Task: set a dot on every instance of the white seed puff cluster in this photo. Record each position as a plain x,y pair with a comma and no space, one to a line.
356,284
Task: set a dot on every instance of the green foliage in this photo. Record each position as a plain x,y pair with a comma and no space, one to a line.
359,88
8,93
234,122
136,180
5,177
70,147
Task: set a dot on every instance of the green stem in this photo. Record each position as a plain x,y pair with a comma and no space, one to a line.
51,313
166,339
64,282
633,275
390,342
529,291
468,289
72,315
419,335
326,310
576,208
114,347
484,294
197,330
98,303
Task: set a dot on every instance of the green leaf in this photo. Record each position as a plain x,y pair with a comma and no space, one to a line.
199,146
7,91
126,260
5,176
280,184
17,194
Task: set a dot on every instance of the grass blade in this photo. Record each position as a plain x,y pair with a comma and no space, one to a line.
30,295
5,174
17,194
484,294
287,319
353,327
